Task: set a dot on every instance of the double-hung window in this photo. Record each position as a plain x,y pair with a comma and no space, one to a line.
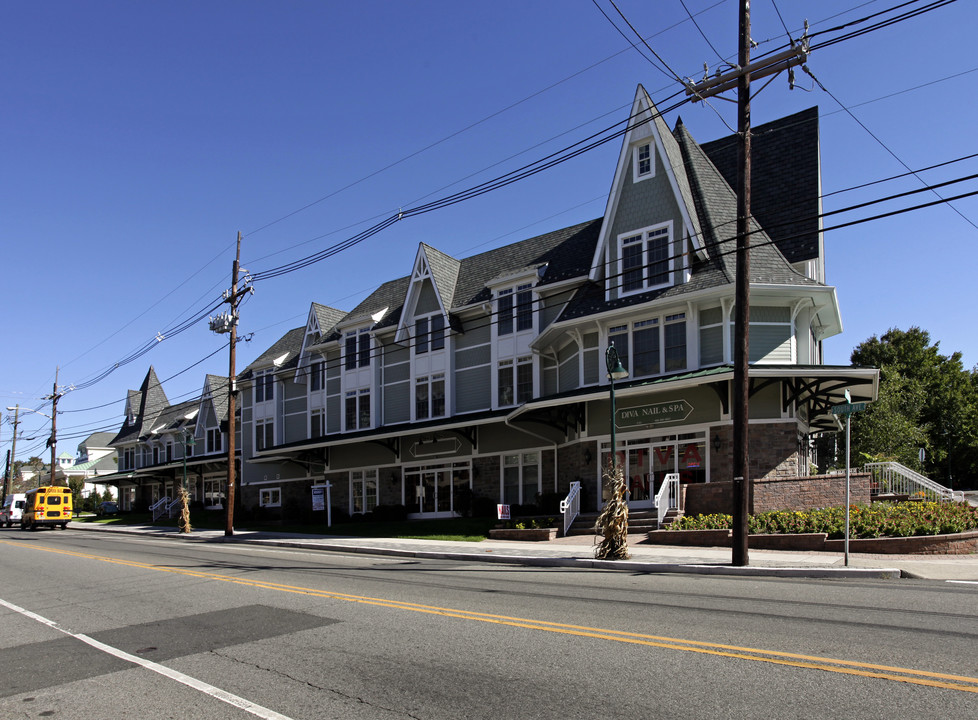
652,346
264,386
264,434
429,396
429,333
358,409
643,162
357,349
521,478
317,376
515,381
363,491
214,443
317,423
646,261
514,308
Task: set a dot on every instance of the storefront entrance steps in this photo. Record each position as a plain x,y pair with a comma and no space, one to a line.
639,522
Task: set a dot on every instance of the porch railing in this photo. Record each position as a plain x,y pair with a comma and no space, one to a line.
570,506
159,507
174,507
668,498
894,478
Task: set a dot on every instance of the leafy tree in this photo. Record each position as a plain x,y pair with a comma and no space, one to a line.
926,400
76,484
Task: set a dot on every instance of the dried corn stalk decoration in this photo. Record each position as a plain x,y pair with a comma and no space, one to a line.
183,522
612,523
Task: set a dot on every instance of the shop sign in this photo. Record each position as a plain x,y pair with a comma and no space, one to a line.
655,414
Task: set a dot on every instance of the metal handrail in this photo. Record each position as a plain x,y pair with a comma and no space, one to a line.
570,506
892,477
159,507
668,498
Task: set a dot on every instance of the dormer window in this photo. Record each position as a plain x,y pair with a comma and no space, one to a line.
643,162
645,259
514,307
429,333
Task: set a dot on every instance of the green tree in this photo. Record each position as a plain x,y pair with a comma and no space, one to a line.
76,484
926,400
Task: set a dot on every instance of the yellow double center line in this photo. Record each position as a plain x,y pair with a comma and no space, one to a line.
847,667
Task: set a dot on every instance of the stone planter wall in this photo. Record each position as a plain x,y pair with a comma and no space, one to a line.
528,534
956,544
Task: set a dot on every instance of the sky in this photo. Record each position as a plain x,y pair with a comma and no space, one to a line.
138,139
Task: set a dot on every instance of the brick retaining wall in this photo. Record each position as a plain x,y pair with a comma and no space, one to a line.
780,493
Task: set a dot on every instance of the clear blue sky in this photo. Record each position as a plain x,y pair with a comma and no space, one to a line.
138,139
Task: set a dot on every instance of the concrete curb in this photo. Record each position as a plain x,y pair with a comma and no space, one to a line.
633,566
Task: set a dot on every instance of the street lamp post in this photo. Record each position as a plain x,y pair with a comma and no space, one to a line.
613,521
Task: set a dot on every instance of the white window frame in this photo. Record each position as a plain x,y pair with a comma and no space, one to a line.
263,428
270,497
359,356
361,398
359,490
644,237
637,173
264,386
428,338
317,414
211,434
521,461
660,323
429,382
519,311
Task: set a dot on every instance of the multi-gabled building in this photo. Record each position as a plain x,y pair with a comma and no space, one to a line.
484,377
160,443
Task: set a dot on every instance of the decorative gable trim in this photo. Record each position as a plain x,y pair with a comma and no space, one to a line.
646,126
423,273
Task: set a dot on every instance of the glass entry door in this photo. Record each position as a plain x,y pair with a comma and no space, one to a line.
435,488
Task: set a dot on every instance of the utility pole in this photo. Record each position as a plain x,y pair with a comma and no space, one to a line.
741,434
741,75
13,451
53,440
228,322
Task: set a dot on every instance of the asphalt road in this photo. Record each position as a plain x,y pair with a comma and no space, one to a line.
97,626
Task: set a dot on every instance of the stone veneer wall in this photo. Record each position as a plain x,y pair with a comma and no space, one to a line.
773,451
780,493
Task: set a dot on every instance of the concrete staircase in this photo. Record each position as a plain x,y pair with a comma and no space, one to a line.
639,522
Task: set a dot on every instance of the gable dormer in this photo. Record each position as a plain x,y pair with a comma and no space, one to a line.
650,226
423,322
320,325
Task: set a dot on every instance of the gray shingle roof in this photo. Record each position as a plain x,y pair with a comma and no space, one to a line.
289,345
147,403
784,179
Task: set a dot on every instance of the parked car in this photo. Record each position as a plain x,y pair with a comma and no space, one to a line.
107,507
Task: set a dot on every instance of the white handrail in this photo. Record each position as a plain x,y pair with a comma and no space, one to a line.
159,507
570,506
669,497
892,477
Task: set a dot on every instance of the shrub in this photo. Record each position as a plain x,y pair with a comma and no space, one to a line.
900,519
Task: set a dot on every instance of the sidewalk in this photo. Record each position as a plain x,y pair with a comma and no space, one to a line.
578,552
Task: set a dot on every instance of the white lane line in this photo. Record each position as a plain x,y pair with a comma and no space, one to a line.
964,582
207,689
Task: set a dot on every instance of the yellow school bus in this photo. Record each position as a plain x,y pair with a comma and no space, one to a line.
47,505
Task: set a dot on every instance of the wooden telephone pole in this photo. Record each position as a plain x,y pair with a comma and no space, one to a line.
228,323
741,75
